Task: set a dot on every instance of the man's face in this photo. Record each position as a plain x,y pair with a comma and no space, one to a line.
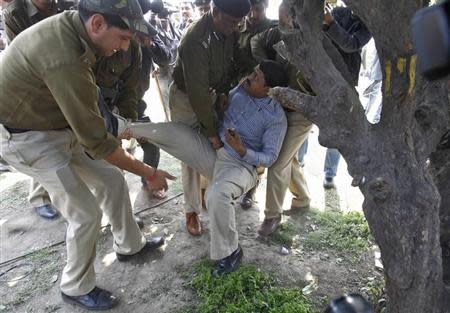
257,13
187,11
203,9
110,39
285,18
164,23
255,83
225,23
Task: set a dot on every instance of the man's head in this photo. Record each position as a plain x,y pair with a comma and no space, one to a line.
266,75
227,14
257,11
187,10
202,6
111,24
285,17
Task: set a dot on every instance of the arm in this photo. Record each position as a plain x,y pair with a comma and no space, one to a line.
348,42
272,140
161,54
194,59
262,44
80,108
13,25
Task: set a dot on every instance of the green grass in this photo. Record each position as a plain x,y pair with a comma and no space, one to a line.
284,235
244,291
346,234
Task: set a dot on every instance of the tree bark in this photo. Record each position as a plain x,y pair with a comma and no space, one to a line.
388,161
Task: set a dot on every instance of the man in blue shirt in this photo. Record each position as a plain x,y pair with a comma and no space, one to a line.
252,130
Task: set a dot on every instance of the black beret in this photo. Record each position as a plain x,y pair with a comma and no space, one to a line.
235,8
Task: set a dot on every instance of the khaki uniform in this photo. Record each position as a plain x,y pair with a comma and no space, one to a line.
49,120
118,78
286,171
204,62
18,16
245,61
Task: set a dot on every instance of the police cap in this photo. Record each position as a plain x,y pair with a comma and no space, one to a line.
235,8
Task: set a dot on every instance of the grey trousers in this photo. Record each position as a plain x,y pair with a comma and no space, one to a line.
229,178
181,111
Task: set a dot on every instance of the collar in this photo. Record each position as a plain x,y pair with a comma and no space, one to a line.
90,52
32,10
210,25
251,27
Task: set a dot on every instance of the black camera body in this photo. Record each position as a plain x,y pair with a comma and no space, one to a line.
431,35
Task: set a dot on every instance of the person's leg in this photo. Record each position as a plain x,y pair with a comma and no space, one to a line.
40,201
48,156
181,111
231,179
284,173
112,194
330,167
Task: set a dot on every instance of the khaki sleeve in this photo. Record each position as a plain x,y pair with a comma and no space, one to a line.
73,87
262,44
128,97
194,59
12,26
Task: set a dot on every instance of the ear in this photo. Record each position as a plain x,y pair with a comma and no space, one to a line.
98,23
215,12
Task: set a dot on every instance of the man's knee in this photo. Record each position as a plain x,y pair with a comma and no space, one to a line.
220,193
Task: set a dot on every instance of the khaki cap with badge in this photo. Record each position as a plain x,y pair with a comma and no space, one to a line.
129,11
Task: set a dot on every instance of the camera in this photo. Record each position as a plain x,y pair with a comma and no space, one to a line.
431,36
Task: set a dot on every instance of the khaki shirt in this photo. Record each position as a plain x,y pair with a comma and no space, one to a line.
204,61
244,59
118,77
19,15
46,82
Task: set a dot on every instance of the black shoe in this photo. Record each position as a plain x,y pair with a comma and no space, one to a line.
247,200
139,221
328,183
46,211
98,299
152,244
228,264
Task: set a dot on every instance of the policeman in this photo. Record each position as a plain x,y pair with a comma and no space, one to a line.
201,72
286,171
187,14
51,130
21,14
255,22
18,16
202,6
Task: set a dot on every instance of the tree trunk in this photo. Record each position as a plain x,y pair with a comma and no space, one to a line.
388,161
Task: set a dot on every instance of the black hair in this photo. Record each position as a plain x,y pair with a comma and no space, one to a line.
111,19
274,73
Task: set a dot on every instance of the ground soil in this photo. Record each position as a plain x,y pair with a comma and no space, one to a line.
157,282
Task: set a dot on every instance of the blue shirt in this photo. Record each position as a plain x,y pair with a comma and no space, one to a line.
260,122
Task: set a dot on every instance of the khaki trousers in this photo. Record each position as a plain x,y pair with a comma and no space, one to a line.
181,111
80,188
228,177
286,171
38,196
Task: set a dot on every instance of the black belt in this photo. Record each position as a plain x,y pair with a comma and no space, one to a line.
16,130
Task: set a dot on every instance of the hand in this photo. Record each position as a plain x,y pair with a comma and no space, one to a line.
328,18
216,142
126,134
234,140
156,72
212,92
158,181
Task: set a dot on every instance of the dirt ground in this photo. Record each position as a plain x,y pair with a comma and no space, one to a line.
157,283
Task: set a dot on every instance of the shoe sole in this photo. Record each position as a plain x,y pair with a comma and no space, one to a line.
76,303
